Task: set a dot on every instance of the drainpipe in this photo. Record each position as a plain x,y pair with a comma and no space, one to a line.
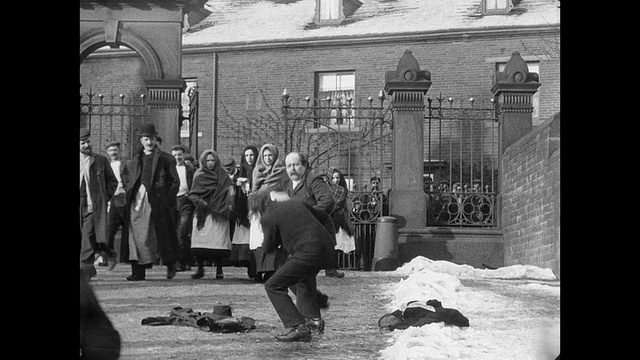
214,120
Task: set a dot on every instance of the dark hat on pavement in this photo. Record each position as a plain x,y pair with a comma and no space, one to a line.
148,130
84,134
113,143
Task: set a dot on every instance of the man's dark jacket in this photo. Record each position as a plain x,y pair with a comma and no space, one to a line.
299,229
312,189
102,185
162,198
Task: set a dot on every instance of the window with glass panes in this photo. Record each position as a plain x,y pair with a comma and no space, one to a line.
339,86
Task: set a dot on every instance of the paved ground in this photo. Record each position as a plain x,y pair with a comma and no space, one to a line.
356,304
357,301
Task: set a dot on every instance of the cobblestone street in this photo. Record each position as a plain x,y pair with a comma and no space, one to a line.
356,304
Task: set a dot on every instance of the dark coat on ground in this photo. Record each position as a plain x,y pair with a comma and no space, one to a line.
299,229
102,185
162,198
418,316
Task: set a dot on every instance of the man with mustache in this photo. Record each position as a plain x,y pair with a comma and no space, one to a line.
312,189
97,185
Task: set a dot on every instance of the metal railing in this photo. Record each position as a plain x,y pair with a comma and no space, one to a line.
113,117
461,162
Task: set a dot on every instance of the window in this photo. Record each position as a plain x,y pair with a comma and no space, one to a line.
534,67
329,12
339,87
186,106
496,6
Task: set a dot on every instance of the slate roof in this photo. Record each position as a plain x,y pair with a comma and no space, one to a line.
257,21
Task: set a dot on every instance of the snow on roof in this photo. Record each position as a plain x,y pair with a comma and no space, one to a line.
246,21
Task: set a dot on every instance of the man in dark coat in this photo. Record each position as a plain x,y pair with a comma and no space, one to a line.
185,208
151,232
97,185
313,190
299,229
119,200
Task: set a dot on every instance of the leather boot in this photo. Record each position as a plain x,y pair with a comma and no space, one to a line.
334,273
297,333
219,273
171,270
138,273
316,325
200,271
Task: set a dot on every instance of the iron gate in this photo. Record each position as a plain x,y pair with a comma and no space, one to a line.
118,117
353,136
461,166
113,117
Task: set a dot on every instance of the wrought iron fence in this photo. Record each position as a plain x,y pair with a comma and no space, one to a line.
113,117
339,133
461,166
366,208
353,136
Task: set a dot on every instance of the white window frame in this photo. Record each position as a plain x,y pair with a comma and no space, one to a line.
190,83
329,12
337,85
496,6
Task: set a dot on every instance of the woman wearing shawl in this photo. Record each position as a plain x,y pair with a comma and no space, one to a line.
268,172
240,252
210,193
341,214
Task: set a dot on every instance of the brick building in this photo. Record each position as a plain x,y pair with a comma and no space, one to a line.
242,54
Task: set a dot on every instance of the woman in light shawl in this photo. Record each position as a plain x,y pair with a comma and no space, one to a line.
269,172
210,193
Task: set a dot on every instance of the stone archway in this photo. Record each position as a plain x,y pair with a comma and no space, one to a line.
96,39
154,30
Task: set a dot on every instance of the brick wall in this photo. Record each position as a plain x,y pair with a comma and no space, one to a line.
531,198
250,81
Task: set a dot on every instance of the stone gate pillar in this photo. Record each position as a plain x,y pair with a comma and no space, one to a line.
513,89
407,86
164,109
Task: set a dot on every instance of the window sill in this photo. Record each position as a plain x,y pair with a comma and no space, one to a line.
333,128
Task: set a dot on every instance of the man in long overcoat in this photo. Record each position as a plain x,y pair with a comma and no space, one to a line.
151,232
97,185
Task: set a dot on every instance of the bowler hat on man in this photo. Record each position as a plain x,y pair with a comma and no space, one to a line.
85,134
113,143
148,130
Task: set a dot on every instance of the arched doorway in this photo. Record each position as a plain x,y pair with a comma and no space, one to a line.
154,31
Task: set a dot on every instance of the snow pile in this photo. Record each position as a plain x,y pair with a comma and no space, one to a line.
421,263
501,327
425,285
431,341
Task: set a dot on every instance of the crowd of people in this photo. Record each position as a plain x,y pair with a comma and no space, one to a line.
272,214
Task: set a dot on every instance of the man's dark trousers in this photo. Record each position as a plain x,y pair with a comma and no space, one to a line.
116,219
300,276
185,224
